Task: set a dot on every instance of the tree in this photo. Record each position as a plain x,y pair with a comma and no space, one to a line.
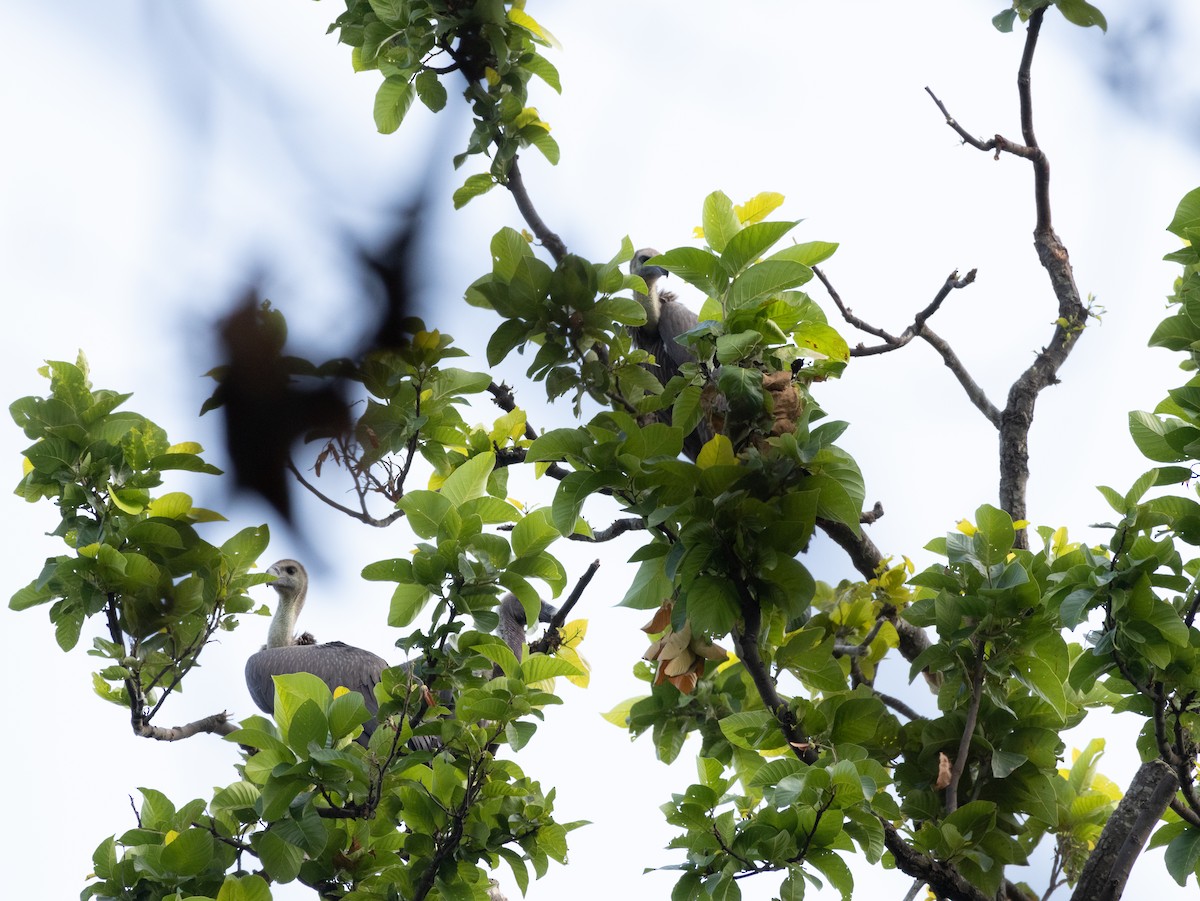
722,537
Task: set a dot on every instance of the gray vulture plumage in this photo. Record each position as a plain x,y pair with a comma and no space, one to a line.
666,320
336,663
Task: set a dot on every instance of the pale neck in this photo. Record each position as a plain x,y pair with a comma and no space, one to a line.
282,632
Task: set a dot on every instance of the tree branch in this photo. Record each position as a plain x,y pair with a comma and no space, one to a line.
362,516
746,643
1126,832
543,644
217,723
943,878
551,241
964,743
920,328
620,527
1017,417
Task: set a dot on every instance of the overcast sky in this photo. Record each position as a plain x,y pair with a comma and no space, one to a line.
157,155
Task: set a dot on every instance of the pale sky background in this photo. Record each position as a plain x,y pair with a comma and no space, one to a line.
157,154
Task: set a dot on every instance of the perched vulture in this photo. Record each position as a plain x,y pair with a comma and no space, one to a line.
666,320
336,663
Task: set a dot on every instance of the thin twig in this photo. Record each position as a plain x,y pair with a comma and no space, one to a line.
920,328
964,743
362,517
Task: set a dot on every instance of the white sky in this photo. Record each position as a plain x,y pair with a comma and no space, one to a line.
154,153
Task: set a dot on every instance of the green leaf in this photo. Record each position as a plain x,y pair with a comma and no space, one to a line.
1149,434
834,869
392,100
30,596
696,267
545,70
1004,20
557,444
751,243
1040,678
650,586
1183,854
390,11
244,548
539,667
572,491
754,730
431,91
1082,13
820,341
279,858
719,221
509,248
810,253
347,713
473,187
469,480
189,853
765,279
425,510
407,601
534,533
1187,214
244,888
712,604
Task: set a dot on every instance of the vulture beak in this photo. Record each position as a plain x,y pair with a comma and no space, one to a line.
650,273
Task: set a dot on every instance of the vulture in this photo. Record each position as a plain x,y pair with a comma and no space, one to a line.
666,319
334,662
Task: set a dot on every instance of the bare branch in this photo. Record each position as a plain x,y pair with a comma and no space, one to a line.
897,705
920,328
362,516
620,527
1185,812
1126,832
975,392
559,618
217,723
1017,417
551,241
964,743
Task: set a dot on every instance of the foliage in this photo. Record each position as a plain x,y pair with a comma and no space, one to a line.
801,759
134,557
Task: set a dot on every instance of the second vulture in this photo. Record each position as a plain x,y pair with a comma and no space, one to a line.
334,662
666,320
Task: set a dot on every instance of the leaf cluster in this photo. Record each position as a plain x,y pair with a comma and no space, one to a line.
134,556
493,44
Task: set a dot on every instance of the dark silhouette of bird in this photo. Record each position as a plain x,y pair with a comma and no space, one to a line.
338,664
266,409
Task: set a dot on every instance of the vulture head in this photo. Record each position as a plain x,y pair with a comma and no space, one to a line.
291,584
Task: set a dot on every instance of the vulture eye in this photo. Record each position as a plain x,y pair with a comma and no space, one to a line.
291,570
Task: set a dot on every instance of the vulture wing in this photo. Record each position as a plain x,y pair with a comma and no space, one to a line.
334,663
